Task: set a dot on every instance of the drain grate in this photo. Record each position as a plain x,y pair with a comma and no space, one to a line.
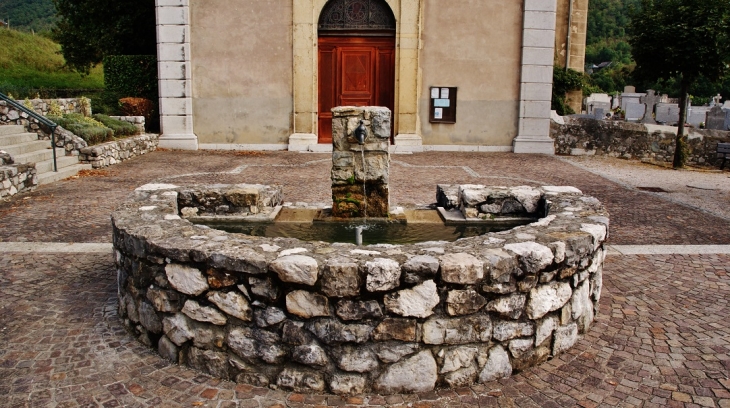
653,189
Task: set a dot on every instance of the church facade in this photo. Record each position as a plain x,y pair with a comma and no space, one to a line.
469,75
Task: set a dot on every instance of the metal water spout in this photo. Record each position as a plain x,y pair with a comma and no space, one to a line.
361,133
358,235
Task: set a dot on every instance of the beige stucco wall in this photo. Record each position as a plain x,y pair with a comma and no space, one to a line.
242,70
475,46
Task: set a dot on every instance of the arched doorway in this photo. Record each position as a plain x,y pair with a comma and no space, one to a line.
356,58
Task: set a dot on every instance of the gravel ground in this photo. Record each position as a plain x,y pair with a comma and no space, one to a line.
708,190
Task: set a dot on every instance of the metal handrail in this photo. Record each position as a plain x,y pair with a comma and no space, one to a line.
40,118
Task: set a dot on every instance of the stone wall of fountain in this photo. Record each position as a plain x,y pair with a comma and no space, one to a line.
360,168
314,316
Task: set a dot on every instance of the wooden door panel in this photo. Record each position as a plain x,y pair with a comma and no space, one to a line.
357,77
327,91
385,78
353,71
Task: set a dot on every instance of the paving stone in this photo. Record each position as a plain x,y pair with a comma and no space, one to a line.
662,323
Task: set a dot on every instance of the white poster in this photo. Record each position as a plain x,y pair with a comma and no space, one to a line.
438,113
444,93
434,93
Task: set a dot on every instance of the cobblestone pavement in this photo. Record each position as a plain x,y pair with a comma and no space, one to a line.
78,210
662,337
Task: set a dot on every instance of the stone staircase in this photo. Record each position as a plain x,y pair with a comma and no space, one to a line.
25,147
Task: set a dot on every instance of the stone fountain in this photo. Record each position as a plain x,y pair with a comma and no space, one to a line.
360,168
335,317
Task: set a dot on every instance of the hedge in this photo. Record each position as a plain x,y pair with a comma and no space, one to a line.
131,75
119,127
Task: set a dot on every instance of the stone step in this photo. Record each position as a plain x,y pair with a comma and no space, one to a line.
17,138
27,147
66,172
11,129
61,161
39,155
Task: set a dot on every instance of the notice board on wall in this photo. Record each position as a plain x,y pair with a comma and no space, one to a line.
443,104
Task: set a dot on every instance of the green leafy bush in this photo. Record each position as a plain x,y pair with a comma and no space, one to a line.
130,76
564,81
92,131
119,127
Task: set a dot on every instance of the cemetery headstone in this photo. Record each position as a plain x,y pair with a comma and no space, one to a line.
599,113
715,119
635,111
667,113
615,101
627,98
697,115
597,101
649,100
629,89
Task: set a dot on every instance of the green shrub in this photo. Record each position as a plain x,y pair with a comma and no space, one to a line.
564,81
92,131
130,76
120,127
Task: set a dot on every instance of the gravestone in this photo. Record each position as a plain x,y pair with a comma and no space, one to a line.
597,101
635,111
727,120
697,115
649,100
603,106
615,101
667,113
628,98
715,119
726,105
360,171
599,113
629,89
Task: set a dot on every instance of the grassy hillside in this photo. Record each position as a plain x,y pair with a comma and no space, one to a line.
32,62
27,15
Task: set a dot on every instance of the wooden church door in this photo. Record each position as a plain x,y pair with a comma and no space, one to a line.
354,71
356,54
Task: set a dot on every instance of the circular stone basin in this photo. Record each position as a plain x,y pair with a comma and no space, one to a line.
371,231
315,316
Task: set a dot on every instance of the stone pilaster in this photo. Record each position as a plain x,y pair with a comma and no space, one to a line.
538,42
174,75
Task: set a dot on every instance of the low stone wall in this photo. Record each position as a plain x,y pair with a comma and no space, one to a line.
107,154
16,178
137,121
583,136
313,316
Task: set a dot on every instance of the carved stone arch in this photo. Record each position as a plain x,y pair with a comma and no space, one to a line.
360,15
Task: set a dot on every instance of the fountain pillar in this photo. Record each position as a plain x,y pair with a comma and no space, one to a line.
360,172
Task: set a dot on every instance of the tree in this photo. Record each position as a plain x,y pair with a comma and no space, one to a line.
681,40
89,30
